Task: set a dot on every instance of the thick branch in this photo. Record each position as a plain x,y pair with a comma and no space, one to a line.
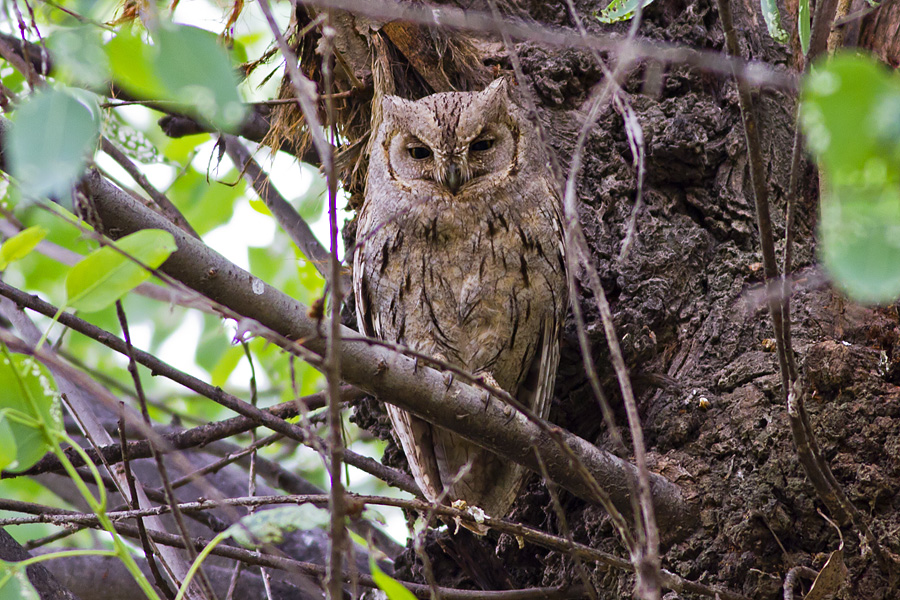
392,377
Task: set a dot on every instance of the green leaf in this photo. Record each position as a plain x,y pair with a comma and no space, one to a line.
312,202
267,526
8,447
132,142
208,80
205,206
226,365
260,207
621,10
847,105
28,390
186,65
851,118
311,206
132,62
16,586
387,584
859,244
106,275
803,21
773,21
78,56
52,134
19,245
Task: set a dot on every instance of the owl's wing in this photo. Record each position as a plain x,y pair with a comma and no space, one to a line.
536,390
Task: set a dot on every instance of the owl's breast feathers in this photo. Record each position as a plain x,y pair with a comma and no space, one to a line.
475,282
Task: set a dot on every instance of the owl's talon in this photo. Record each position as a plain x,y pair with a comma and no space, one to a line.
448,379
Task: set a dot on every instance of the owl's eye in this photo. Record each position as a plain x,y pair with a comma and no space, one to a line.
481,145
419,152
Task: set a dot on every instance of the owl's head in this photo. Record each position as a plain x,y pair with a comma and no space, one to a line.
451,141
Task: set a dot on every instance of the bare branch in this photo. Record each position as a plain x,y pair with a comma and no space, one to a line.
292,223
59,516
254,415
164,204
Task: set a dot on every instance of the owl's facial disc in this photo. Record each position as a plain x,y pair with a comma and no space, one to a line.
450,149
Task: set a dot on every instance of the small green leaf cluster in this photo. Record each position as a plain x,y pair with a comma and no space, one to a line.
29,412
851,118
55,130
621,10
184,65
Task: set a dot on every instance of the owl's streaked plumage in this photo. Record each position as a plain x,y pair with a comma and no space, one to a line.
460,256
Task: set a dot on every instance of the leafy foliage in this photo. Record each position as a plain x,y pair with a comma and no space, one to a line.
267,526
392,588
205,85
773,21
858,152
621,10
107,274
28,405
20,245
14,584
48,144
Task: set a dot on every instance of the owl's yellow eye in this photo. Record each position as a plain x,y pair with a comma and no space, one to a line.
419,152
481,145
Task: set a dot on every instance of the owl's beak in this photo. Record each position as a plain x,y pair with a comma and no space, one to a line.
454,177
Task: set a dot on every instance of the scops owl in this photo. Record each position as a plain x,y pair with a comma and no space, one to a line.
460,256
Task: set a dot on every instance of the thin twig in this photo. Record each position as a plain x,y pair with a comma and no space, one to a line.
161,468
132,500
790,580
646,557
448,17
760,195
336,504
79,17
292,223
304,88
827,487
58,516
564,529
164,204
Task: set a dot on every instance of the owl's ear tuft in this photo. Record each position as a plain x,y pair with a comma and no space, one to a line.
498,90
390,105
491,103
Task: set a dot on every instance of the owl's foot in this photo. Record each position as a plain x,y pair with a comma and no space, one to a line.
487,379
478,527
448,379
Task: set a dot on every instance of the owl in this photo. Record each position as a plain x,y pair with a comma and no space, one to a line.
460,256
